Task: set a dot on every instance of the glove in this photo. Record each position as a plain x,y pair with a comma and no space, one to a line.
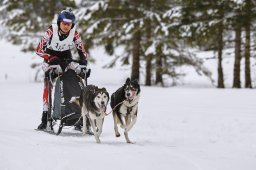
83,62
53,60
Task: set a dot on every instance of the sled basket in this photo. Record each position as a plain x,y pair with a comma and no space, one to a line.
67,86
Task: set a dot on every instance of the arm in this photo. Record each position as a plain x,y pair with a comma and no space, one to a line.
41,47
80,47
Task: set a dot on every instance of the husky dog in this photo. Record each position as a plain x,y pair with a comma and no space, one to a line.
124,103
94,102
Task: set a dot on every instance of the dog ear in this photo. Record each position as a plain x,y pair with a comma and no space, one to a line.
128,80
104,90
135,81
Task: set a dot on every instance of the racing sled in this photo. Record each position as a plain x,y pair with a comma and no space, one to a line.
63,87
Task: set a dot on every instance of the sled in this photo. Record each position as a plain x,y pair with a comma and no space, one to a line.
62,88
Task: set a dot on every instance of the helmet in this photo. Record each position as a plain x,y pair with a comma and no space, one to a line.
66,16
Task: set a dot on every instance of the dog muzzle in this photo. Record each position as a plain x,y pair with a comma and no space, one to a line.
131,96
101,107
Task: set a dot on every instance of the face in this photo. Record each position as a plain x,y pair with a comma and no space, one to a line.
65,27
101,101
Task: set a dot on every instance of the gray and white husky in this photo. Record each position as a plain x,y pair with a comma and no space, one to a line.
94,102
124,103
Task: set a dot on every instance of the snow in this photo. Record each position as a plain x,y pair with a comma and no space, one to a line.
179,128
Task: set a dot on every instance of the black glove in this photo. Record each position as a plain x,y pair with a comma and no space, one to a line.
54,60
83,62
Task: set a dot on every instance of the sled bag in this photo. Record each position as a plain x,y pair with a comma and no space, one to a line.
70,86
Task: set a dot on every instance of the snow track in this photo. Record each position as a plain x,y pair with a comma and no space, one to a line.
181,129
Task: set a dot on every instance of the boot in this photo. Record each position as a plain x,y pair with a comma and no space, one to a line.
43,124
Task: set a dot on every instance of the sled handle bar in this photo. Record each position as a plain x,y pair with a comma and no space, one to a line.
85,73
70,60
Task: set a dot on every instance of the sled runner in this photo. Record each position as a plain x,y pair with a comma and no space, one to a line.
65,86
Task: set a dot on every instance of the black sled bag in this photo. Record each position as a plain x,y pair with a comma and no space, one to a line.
67,86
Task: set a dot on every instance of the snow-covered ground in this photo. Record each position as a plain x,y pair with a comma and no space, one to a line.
178,128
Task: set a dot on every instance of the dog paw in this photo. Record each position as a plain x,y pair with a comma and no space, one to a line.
130,142
118,135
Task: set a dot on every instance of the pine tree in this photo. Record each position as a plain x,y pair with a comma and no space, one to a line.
247,55
27,20
125,25
205,24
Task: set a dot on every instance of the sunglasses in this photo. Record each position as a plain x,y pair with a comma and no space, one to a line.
66,23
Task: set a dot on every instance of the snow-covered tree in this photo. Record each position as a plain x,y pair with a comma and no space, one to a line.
27,20
211,25
146,30
155,36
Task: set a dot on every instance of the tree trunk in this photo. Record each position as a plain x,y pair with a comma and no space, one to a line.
220,48
248,83
148,57
159,65
236,78
136,56
148,70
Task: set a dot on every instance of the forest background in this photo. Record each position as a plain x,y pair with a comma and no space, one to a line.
157,38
